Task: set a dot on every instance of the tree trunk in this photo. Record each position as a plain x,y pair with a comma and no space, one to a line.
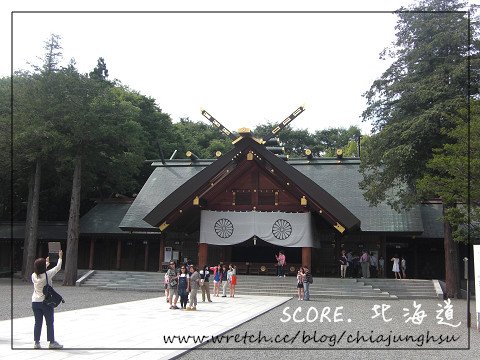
28,221
73,230
451,262
31,226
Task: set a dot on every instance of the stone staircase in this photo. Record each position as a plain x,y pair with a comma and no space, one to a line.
406,288
247,284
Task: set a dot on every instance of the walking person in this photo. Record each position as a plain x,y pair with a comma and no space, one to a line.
194,286
224,280
300,283
403,267
216,279
183,285
165,281
280,263
172,285
343,264
41,310
232,279
396,266
365,264
205,283
307,280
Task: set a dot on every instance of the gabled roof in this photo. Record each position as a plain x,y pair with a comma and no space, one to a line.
104,218
332,209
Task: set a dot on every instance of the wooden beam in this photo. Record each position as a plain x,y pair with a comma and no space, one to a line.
161,253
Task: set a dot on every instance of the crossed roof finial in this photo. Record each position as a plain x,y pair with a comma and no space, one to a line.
263,140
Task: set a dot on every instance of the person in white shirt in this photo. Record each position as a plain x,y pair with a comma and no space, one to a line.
41,310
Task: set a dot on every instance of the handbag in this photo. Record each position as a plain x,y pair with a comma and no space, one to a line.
52,298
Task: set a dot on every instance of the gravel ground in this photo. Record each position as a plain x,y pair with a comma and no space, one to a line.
359,311
75,297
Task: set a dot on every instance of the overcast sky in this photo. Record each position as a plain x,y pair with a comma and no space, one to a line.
244,69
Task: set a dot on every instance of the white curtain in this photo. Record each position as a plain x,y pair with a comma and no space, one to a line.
281,229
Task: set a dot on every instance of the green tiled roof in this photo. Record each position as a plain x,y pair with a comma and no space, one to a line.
432,221
104,218
46,230
340,180
162,182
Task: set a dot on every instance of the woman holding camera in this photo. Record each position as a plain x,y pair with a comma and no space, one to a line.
41,310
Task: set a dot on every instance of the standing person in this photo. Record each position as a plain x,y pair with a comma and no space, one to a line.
403,267
343,264
41,310
280,263
172,285
350,263
396,266
224,280
194,285
381,267
183,279
216,279
365,264
373,265
232,279
205,283
300,283
307,280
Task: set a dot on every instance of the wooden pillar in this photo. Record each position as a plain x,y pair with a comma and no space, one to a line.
307,257
161,253
119,253
145,265
92,253
202,254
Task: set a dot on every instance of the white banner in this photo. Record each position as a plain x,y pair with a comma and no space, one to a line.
476,257
281,229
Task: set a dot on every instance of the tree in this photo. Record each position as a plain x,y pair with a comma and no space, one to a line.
34,136
414,105
104,135
446,177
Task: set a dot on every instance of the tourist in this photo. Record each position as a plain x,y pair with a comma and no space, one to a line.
373,265
396,266
280,263
183,279
232,279
216,279
343,264
381,267
205,283
224,280
172,285
365,264
350,263
165,281
41,310
307,280
403,267
194,285
300,275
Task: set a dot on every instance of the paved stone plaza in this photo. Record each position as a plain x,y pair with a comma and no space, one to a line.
252,326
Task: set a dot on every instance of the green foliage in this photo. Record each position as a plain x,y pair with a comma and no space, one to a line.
200,138
447,175
414,104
